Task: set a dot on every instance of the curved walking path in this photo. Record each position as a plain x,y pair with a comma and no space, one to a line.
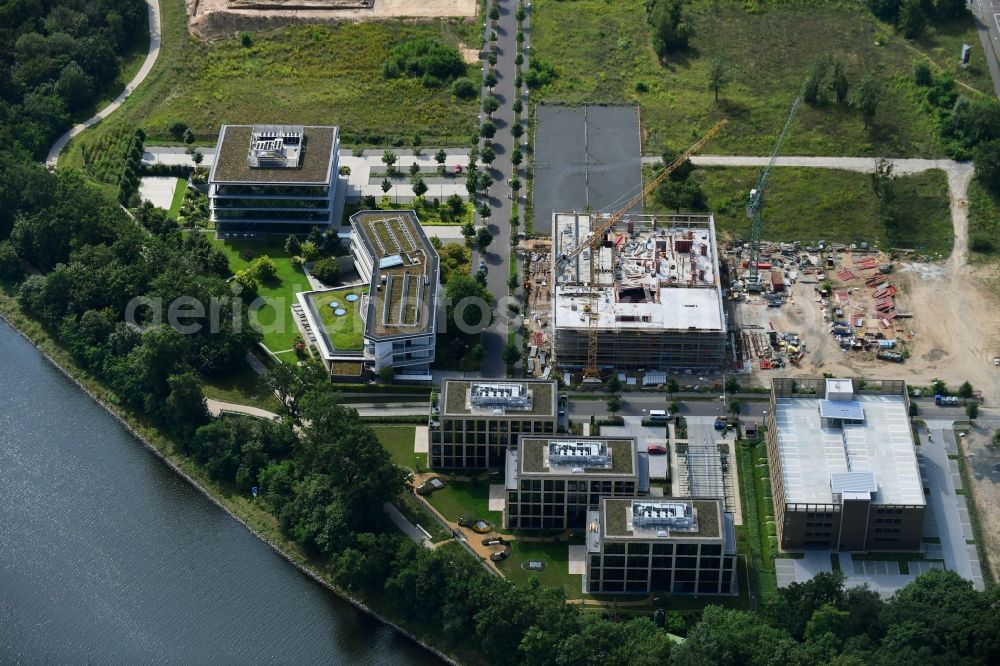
217,407
153,6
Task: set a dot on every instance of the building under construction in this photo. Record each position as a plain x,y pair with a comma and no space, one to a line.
657,304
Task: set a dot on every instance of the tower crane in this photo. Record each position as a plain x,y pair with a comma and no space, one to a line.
755,205
600,226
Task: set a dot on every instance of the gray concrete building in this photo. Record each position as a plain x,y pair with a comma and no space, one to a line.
843,466
551,482
659,300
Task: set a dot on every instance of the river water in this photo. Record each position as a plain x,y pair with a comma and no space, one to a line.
107,556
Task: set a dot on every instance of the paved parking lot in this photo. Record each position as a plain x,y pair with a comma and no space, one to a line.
585,156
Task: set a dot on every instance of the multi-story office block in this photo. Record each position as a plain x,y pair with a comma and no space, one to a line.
675,545
551,483
843,465
475,422
274,178
659,297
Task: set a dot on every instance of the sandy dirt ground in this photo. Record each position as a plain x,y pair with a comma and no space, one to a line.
983,464
215,19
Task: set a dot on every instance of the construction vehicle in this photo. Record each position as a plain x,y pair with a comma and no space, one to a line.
601,225
755,205
887,355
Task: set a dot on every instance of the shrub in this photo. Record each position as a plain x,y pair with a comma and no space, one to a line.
11,269
177,129
264,268
922,73
464,88
246,280
327,270
641,87
246,40
427,58
309,251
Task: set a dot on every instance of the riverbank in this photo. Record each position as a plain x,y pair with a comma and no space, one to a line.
258,522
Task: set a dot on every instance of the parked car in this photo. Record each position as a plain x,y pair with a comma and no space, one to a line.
656,450
482,266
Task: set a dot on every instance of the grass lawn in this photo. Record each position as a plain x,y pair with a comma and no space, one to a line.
984,223
465,498
556,573
241,387
838,206
603,50
398,442
178,201
273,317
754,532
346,333
302,74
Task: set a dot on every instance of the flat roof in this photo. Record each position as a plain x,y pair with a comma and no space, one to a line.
315,158
653,272
616,523
812,453
402,298
533,457
455,399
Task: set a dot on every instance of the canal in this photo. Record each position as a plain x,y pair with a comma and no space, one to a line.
107,556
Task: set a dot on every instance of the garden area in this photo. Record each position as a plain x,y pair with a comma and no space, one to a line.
273,316
398,443
603,53
555,555
466,498
838,206
340,312
758,517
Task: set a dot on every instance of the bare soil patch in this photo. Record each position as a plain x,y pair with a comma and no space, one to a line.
217,19
983,464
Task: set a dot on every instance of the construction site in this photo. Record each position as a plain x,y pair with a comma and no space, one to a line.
651,289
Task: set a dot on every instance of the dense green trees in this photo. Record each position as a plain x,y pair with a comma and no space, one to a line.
56,58
671,32
430,60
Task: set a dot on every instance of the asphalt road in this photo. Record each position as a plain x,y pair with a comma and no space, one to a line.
497,255
987,17
639,404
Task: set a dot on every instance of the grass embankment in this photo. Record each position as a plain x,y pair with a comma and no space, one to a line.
758,518
273,316
837,206
398,442
984,223
242,507
302,74
242,388
603,51
555,554
175,205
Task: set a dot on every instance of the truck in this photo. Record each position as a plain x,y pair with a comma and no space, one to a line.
946,400
887,355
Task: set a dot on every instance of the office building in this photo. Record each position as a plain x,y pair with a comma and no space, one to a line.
843,466
274,178
551,482
474,422
669,545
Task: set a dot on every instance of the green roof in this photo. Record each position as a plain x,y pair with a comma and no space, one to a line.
314,162
543,394
615,519
532,452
